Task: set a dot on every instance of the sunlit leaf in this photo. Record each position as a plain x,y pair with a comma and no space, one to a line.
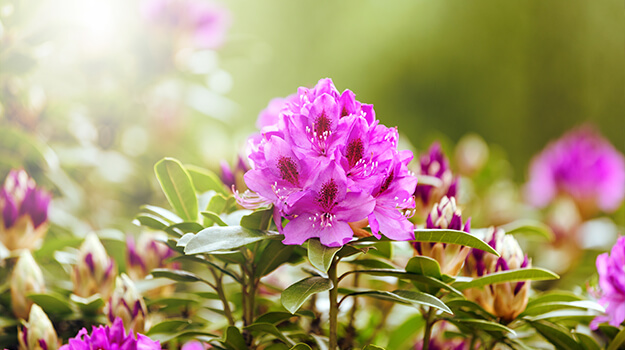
483,325
408,276
301,346
51,304
91,305
205,180
424,265
178,188
531,227
176,275
270,329
272,256
452,237
172,325
372,264
258,220
214,218
406,297
320,256
225,238
296,294
556,336
541,308
527,274
183,228
553,296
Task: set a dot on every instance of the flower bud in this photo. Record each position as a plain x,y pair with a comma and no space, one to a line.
94,271
505,300
127,304
234,176
435,165
38,333
445,215
148,253
24,208
471,154
26,278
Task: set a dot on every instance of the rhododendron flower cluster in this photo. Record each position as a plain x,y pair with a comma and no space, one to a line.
612,285
325,161
582,165
110,338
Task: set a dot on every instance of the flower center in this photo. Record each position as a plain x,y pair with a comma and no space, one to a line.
288,170
355,151
327,196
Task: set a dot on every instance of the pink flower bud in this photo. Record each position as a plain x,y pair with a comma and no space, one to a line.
126,303
94,271
26,278
38,333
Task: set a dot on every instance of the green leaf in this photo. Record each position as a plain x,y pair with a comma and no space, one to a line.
200,259
542,308
296,294
404,333
617,341
406,297
89,306
182,228
270,329
483,325
235,339
529,227
273,255
274,317
527,274
163,213
556,336
258,220
588,342
217,203
205,180
554,296
301,346
372,264
373,347
151,221
452,237
51,304
459,306
214,217
178,188
424,265
408,276
173,302
320,256
176,275
225,238
169,326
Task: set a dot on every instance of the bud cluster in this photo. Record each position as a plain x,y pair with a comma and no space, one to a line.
94,271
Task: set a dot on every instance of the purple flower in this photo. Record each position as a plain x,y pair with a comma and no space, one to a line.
126,303
435,165
325,162
24,212
198,23
582,165
110,338
445,215
147,254
233,176
612,285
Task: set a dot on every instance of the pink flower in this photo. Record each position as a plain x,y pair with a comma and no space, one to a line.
582,165
110,338
612,285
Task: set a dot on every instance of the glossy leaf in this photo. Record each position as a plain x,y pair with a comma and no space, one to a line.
556,336
182,228
320,256
274,317
483,325
452,237
296,294
406,297
372,264
214,218
529,227
205,180
617,341
234,338
258,220
588,342
178,188
176,275
151,221
171,325
272,256
528,274
225,238
430,281
91,305
554,296
270,329
301,346
373,347
404,333
541,308
51,304
424,265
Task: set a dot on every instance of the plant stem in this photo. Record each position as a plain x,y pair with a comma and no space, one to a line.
429,322
334,307
220,292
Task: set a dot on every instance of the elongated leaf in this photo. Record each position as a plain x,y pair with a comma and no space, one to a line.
529,227
404,333
617,341
270,329
556,336
373,347
258,220
274,317
554,296
372,264
214,218
274,255
406,297
183,228
51,304
296,294
163,213
483,325
577,315
178,188
169,326
91,305
320,256
460,305
538,309
202,260
176,275
217,204
528,274
234,338
408,276
301,346
225,238
423,265
205,180
588,342
151,221
452,237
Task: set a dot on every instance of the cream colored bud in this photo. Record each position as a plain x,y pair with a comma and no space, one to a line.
471,154
94,271
26,278
127,304
39,333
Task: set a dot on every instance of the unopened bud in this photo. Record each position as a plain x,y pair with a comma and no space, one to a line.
435,165
450,257
26,278
38,333
94,271
23,212
127,304
148,253
471,154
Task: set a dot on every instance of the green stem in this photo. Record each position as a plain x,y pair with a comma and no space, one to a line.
334,308
429,322
222,296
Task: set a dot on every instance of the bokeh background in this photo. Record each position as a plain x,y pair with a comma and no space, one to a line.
93,93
